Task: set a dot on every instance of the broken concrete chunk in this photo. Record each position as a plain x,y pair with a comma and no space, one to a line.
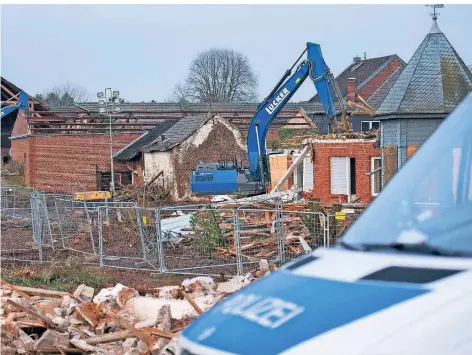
129,344
142,347
233,284
59,312
168,292
264,267
125,295
164,323
73,320
84,293
61,323
108,294
68,304
50,339
26,342
200,284
100,329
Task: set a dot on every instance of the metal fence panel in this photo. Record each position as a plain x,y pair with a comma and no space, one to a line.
302,232
260,235
339,222
17,241
210,239
198,240
15,197
128,238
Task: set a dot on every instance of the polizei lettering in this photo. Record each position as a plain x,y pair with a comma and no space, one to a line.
280,97
269,312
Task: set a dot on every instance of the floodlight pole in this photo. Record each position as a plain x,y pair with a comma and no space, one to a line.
114,99
112,171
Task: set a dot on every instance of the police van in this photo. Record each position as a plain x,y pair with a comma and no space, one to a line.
398,282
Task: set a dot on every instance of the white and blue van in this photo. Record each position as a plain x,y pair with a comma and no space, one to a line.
398,282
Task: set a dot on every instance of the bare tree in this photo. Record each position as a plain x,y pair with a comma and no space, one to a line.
63,95
218,75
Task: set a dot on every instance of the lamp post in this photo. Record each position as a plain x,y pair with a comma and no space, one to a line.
108,102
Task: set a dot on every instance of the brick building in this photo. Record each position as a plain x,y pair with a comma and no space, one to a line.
65,163
342,170
334,170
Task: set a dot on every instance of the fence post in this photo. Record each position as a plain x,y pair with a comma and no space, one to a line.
237,242
141,232
280,235
100,237
59,222
89,220
160,245
327,234
46,215
35,224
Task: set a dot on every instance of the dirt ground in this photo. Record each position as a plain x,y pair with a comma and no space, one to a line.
67,278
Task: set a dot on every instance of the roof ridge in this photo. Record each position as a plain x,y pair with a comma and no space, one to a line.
393,73
374,73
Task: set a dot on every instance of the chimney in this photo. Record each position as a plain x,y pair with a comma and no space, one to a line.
365,55
356,59
351,89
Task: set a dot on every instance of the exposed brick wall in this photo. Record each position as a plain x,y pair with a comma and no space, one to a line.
361,151
20,152
53,163
20,126
373,84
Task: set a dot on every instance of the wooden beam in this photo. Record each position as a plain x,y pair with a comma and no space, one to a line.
290,170
307,119
365,103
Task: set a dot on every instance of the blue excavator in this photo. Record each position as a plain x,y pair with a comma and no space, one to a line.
224,178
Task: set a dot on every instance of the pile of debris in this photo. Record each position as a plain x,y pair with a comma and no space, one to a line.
116,320
154,195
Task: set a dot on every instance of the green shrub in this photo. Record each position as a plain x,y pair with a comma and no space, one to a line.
285,133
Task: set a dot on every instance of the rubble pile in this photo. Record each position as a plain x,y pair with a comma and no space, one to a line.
115,320
145,195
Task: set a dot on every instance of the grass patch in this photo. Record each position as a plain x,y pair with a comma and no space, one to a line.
61,277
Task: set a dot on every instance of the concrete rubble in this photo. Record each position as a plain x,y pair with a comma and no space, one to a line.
116,320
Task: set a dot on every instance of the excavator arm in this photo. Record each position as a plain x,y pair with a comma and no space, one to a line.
214,178
315,67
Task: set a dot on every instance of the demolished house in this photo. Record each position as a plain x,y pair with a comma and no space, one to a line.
337,168
167,154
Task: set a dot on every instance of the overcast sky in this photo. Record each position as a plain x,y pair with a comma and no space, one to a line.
145,50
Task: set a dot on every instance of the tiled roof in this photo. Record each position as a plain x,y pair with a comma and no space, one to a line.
361,71
378,96
132,149
144,108
176,134
434,81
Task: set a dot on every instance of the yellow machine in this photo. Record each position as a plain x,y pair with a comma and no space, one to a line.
92,196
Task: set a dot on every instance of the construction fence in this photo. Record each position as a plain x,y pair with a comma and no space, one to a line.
209,239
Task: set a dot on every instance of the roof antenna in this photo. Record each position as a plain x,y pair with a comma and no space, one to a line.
435,15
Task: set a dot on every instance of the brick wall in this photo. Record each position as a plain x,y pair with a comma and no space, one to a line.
20,126
361,151
20,152
373,84
53,163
